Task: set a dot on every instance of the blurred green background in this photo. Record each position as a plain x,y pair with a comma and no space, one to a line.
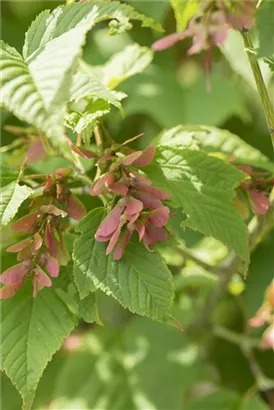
131,362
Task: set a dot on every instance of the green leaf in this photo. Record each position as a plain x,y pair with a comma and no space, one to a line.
205,187
11,197
37,90
264,18
212,139
88,309
89,85
130,280
270,62
32,331
128,62
65,18
8,175
84,123
83,283
53,43
184,11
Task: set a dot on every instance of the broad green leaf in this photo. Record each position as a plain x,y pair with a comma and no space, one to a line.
41,89
264,18
32,331
204,187
130,280
11,197
8,175
128,62
65,18
184,11
37,90
211,140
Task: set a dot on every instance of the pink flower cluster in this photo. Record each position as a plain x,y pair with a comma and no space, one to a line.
256,189
209,27
266,315
44,248
137,203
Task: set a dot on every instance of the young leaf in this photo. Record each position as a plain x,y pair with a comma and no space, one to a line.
32,331
64,18
264,18
84,123
204,187
128,62
184,11
131,280
11,197
212,139
89,85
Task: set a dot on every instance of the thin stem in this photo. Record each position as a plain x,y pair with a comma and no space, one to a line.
78,140
268,108
263,382
237,338
189,254
98,138
35,176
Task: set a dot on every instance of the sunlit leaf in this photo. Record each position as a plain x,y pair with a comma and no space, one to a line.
11,197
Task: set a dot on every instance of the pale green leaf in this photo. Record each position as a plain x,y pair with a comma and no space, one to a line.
204,187
130,280
84,123
32,331
234,52
65,18
212,139
184,11
89,85
264,18
128,62
11,197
